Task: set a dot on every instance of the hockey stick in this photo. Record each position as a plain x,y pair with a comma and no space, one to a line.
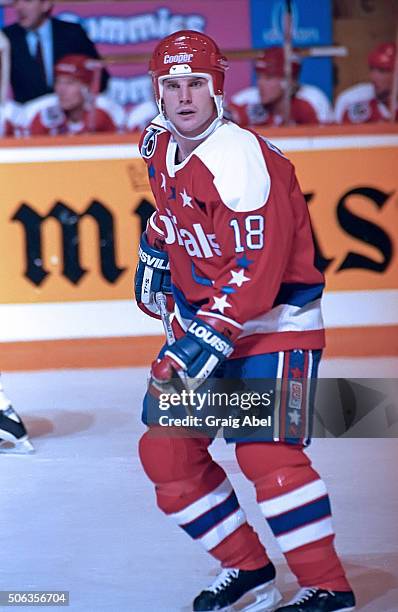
328,51
233,54
94,89
287,49
5,66
160,300
394,89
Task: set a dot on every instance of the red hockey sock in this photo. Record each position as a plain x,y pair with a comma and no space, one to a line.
317,564
294,501
196,493
242,550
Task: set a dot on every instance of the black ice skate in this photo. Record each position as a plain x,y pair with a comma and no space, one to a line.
13,435
243,590
320,600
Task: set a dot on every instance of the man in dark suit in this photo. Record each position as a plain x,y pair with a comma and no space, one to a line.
37,42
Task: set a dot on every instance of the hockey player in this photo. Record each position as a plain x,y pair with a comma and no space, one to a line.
232,233
370,102
264,105
74,108
13,435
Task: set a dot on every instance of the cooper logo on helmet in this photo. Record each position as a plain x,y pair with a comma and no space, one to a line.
181,58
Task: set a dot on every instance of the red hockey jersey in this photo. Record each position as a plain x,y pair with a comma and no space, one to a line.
358,104
44,116
237,230
309,106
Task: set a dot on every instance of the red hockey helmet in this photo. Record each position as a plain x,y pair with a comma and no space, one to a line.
188,53
272,63
383,56
80,67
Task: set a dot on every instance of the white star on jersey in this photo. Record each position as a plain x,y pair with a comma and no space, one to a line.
163,185
294,417
220,304
186,199
238,278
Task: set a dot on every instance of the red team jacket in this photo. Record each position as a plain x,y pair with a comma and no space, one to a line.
44,116
256,114
367,111
359,104
309,106
238,235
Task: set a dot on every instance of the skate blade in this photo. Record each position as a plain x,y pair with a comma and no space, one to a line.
264,598
17,447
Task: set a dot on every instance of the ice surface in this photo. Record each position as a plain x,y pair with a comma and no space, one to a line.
80,514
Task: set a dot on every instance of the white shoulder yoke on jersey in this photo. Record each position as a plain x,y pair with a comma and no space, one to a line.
234,157
38,105
250,95
10,112
361,92
142,114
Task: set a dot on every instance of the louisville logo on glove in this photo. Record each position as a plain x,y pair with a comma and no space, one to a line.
195,356
152,276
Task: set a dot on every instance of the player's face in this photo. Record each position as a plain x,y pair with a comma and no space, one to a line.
31,13
188,104
69,91
382,81
270,88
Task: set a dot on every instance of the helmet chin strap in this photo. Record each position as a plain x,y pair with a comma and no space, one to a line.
209,130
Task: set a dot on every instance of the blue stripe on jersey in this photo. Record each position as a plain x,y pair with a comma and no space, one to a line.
201,280
212,517
295,431
298,294
299,517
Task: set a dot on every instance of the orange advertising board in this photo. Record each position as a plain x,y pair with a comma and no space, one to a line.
353,200
70,229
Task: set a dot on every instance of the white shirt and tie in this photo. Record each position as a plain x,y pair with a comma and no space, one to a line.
43,36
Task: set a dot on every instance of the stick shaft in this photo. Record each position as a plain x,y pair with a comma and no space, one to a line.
287,53
5,66
160,300
394,89
232,54
164,314
95,87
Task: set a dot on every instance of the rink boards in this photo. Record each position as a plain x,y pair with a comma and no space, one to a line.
73,210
